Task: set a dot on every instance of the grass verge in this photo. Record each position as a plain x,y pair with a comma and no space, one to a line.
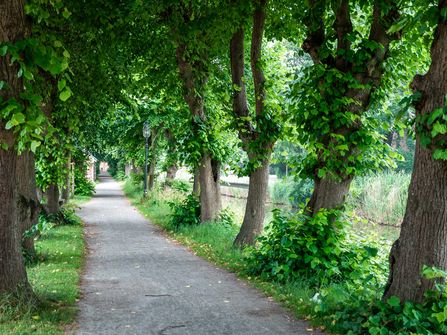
55,280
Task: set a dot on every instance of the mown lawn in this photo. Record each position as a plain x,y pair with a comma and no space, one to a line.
55,280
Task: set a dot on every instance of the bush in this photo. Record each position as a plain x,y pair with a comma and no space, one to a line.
186,212
65,217
317,248
179,185
427,318
83,186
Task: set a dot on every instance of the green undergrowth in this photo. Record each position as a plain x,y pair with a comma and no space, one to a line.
337,286
55,281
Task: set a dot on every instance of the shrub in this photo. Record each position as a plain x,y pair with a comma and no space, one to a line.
65,217
317,248
226,217
83,186
186,212
43,224
179,185
363,315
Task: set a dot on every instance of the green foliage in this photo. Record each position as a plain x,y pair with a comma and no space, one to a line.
65,216
292,190
83,186
340,140
431,128
43,224
180,185
226,217
365,313
317,248
186,212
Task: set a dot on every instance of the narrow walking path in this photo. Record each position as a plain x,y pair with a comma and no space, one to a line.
137,281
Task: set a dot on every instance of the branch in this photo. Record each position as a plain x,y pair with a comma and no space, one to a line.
240,107
379,34
255,55
343,27
315,37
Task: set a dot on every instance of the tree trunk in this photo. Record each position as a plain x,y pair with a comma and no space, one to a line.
255,210
67,187
52,199
196,184
153,161
171,173
28,204
328,194
257,190
13,278
423,236
194,79
210,198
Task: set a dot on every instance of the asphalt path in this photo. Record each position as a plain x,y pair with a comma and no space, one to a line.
138,281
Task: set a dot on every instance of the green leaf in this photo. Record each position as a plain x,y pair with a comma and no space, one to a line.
393,301
65,95
3,50
34,145
19,118
10,124
61,84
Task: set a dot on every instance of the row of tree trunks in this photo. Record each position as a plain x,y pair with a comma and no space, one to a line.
13,278
423,236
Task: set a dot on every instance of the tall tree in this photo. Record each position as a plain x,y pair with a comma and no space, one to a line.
423,236
13,28
257,139
337,91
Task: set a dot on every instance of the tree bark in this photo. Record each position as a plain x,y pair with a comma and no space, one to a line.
66,195
196,183
210,197
423,236
28,204
171,172
52,205
258,151
328,193
255,209
153,162
13,278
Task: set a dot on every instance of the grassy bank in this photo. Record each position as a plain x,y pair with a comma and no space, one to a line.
55,281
